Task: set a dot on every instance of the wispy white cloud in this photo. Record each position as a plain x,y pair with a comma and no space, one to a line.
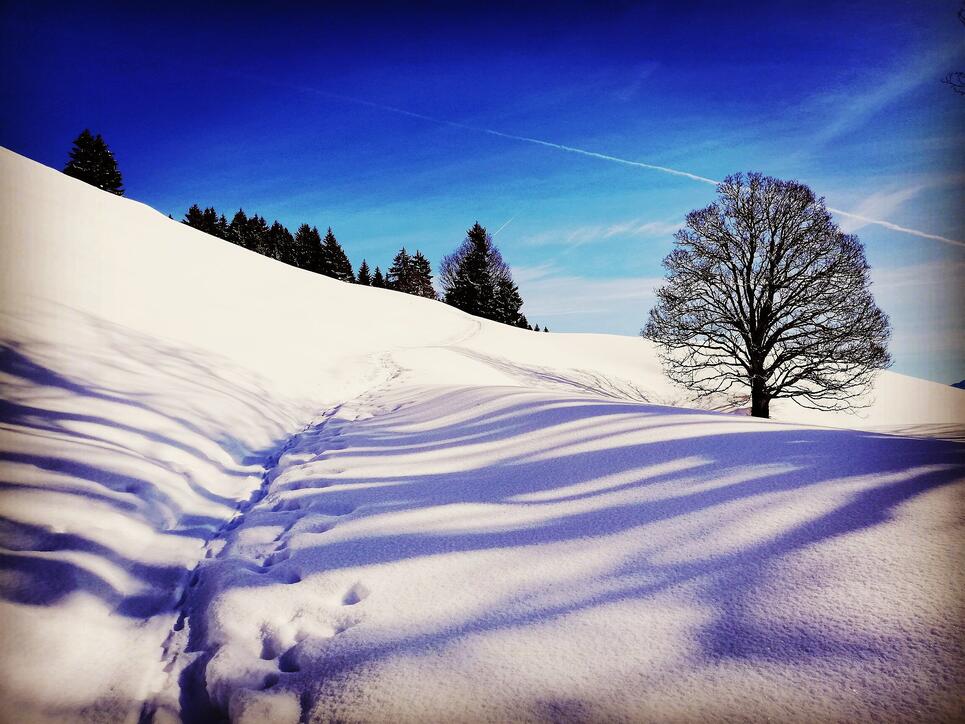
877,205
640,74
580,235
925,302
946,277
551,294
853,108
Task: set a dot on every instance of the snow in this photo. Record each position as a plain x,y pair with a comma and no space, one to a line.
235,489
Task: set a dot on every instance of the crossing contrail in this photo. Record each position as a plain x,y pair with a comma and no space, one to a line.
607,157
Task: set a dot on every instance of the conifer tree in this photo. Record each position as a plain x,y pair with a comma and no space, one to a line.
364,277
399,276
508,303
378,281
258,235
207,220
476,280
545,329
422,277
335,263
282,244
308,248
194,217
470,284
92,162
238,232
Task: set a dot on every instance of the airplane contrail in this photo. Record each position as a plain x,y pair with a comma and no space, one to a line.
896,227
506,223
613,159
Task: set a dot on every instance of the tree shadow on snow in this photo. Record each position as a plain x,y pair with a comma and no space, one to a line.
117,423
580,460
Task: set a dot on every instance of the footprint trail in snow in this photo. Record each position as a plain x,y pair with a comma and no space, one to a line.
258,549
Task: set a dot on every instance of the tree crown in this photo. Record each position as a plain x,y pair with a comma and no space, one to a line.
764,290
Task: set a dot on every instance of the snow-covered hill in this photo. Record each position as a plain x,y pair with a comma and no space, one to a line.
233,488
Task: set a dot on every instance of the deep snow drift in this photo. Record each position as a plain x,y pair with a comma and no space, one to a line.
234,489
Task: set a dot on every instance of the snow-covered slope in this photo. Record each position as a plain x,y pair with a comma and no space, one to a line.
234,488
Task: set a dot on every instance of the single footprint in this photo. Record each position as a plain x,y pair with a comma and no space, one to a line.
355,594
277,557
284,506
288,663
322,527
269,681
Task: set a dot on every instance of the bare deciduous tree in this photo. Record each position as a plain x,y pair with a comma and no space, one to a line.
765,291
957,79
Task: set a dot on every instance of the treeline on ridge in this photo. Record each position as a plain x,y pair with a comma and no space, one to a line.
474,278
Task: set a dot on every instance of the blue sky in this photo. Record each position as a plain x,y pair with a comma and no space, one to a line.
401,123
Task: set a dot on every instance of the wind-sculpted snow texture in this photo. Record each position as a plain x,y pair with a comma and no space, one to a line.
234,490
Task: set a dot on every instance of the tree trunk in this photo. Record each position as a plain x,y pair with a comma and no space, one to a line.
760,400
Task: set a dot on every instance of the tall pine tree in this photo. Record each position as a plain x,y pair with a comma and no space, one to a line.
476,280
335,263
282,244
364,277
308,248
467,274
378,281
92,162
208,221
258,234
238,232
422,277
399,276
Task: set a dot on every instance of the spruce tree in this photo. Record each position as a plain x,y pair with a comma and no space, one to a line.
238,230
473,286
476,280
378,281
363,276
335,263
545,329
507,304
399,276
422,277
92,162
208,221
308,248
194,217
282,244
258,235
